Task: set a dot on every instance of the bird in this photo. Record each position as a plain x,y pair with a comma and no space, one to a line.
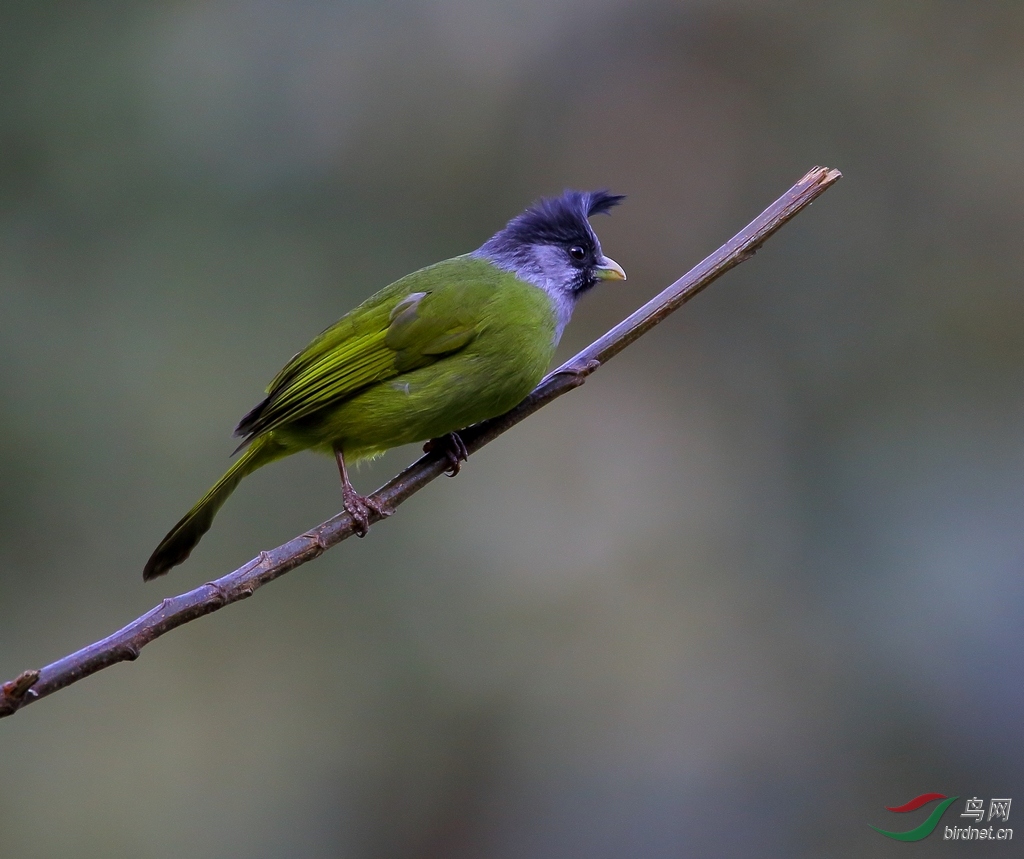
436,351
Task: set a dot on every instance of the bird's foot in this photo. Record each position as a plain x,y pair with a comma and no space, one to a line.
359,507
453,448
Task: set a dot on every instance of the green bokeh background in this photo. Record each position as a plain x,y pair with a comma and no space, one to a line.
758,579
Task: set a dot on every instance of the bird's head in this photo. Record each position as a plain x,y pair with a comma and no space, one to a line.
553,246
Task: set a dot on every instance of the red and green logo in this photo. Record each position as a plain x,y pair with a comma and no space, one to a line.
926,828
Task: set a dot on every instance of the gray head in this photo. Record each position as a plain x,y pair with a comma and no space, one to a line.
553,246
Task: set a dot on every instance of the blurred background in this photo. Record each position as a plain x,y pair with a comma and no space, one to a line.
760,578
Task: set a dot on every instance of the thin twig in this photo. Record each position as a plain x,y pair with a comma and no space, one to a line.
174,611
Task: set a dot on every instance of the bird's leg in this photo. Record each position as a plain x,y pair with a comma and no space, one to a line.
454,449
358,506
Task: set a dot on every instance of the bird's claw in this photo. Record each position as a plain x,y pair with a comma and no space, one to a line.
359,508
454,450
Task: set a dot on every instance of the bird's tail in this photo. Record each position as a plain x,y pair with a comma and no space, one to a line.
183,537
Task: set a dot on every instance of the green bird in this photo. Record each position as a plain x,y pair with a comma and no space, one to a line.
440,349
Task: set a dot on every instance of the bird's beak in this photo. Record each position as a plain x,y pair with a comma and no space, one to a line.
608,269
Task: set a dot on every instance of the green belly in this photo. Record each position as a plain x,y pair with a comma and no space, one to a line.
488,377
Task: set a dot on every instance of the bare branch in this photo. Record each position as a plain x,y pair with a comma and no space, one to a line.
126,644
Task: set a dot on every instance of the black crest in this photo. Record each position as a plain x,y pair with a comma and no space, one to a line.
559,220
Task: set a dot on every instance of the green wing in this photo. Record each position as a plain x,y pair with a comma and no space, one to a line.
411,323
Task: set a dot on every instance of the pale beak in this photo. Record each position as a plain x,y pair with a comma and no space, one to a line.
608,269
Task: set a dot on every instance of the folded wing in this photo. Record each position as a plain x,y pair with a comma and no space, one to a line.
377,341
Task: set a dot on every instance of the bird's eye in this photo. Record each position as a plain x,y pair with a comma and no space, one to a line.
577,253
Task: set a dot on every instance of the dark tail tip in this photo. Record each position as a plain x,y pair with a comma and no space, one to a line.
157,566
165,558
179,542
185,536
154,567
